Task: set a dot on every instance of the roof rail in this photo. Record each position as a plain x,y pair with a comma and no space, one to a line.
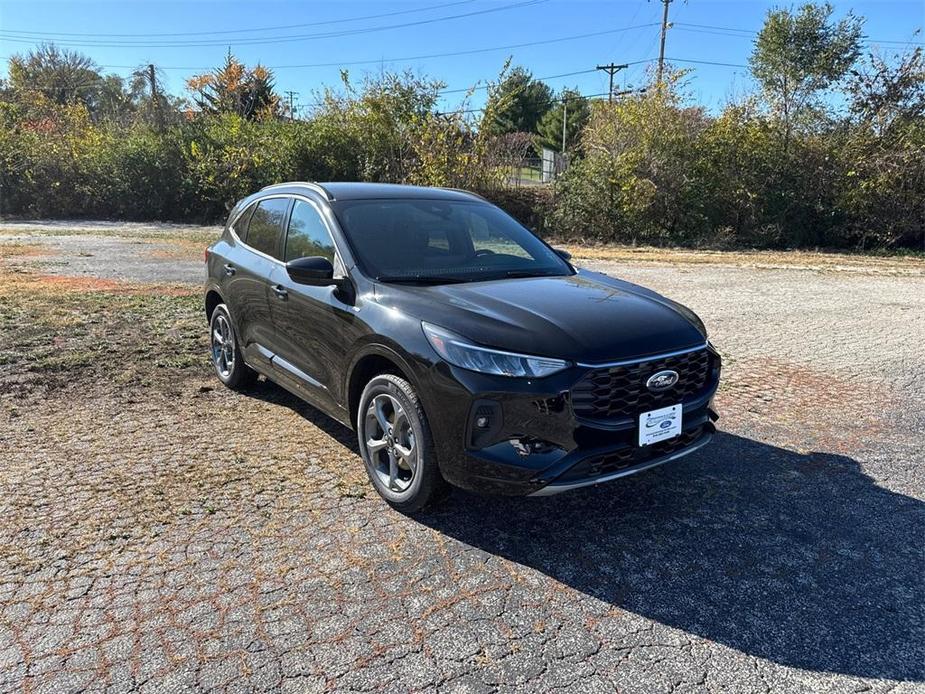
317,187
468,192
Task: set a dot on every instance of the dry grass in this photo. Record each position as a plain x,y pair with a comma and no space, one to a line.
109,407
794,260
156,231
21,250
61,330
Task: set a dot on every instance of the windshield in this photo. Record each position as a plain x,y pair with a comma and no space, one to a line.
443,241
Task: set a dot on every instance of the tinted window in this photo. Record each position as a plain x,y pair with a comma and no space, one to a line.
266,226
308,236
436,240
240,226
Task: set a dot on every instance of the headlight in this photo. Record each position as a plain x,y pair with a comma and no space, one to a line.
460,352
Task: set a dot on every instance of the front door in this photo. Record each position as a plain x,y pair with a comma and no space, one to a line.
314,324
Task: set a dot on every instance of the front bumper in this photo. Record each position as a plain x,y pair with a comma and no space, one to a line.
558,487
532,441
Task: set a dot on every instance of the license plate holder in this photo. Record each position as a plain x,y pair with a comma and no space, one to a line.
660,425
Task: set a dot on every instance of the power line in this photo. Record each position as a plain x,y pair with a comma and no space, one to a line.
539,79
551,101
748,33
376,61
242,31
281,39
704,62
647,53
669,59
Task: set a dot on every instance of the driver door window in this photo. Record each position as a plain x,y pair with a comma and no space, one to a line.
266,226
308,235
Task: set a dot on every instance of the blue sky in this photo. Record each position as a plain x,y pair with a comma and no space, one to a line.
627,32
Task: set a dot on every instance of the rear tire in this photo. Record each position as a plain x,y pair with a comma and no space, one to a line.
396,444
227,359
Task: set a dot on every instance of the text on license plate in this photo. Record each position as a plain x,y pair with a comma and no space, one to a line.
659,425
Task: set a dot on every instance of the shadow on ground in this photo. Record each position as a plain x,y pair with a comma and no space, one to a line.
800,559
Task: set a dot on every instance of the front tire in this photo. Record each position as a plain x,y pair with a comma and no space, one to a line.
397,446
227,359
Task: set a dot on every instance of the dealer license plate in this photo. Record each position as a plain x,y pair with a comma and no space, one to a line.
659,425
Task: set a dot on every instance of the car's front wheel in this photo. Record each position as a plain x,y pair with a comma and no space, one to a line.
396,444
225,351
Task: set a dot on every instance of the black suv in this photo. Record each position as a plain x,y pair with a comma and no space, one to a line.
460,346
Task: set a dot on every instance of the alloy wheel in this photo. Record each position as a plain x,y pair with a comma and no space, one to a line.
223,352
390,444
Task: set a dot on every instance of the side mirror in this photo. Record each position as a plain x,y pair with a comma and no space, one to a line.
562,253
315,270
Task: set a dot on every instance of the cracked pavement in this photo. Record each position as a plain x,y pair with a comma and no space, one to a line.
161,533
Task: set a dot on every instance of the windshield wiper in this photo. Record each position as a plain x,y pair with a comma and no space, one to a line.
421,279
527,273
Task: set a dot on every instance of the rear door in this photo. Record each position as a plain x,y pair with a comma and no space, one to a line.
248,267
315,325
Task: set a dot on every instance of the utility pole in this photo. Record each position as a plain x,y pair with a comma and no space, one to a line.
155,107
661,49
611,70
564,117
291,94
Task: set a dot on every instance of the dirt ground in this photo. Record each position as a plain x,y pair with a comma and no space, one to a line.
159,532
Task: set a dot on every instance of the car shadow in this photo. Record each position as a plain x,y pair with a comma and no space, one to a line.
801,559
270,392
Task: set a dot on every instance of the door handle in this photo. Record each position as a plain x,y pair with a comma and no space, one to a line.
229,269
280,291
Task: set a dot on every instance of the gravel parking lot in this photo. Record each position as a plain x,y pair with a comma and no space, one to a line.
158,532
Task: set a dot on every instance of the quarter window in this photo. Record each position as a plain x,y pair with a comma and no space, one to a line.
308,235
266,226
240,226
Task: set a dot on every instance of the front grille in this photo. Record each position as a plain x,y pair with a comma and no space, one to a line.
617,392
607,463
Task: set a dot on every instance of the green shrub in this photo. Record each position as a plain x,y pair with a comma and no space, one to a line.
653,170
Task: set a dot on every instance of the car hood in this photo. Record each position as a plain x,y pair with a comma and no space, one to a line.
587,317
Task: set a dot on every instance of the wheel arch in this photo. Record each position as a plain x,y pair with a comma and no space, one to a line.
212,299
370,362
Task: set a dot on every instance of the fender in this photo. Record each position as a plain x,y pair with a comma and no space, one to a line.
393,353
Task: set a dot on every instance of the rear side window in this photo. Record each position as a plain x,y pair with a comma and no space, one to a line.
240,224
308,235
266,226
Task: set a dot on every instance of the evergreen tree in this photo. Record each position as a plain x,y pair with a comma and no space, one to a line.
549,129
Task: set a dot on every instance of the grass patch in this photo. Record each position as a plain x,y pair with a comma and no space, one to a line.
21,250
58,330
810,260
201,235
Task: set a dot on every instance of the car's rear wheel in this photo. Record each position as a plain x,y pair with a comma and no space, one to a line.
225,351
396,444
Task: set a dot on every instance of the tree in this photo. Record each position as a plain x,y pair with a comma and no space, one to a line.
798,55
372,126
233,88
635,182
883,191
549,129
883,93
517,103
113,101
63,76
149,93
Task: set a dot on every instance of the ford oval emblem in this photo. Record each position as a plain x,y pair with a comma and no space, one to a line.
663,380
